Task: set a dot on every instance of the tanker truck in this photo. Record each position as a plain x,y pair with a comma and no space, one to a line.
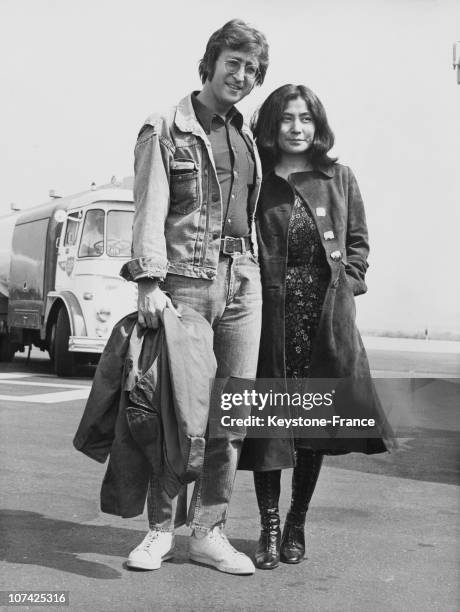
60,288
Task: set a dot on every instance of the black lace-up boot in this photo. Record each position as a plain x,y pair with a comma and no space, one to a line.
267,485
304,478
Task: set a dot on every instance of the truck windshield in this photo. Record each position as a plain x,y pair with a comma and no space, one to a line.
119,233
92,237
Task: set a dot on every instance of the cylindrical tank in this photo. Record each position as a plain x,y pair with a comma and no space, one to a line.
7,224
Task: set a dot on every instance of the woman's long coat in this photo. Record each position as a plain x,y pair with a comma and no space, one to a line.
333,198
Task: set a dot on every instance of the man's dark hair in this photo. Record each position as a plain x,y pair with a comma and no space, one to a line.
236,35
267,120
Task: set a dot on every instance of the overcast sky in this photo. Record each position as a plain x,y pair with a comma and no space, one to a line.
79,76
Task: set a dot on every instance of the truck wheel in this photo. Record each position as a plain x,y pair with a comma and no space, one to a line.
52,341
7,350
64,360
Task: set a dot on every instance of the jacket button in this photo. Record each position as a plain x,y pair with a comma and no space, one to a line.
336,255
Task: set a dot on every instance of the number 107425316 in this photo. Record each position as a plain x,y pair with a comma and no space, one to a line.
30,598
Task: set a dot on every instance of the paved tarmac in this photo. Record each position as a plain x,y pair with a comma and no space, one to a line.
381,531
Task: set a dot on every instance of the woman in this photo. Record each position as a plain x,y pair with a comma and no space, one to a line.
313,254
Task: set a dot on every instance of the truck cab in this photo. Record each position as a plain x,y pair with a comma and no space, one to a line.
65,292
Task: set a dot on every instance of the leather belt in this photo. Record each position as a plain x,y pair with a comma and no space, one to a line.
230,245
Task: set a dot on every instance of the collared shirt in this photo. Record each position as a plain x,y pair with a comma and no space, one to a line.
234,164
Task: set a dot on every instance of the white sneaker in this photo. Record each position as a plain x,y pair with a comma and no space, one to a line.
157,546
215,549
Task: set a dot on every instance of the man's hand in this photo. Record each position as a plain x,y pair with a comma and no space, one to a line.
151,302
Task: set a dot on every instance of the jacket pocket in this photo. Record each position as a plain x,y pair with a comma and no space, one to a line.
145,428
357,287
183,187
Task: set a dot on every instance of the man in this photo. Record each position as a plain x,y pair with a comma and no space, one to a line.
197,179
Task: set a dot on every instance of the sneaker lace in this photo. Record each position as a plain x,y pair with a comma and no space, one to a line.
149,539
222,540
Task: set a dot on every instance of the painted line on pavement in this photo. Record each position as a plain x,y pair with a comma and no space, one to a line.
70,393
6,375
49,398
24,383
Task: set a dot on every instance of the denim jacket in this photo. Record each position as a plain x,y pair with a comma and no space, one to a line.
178,219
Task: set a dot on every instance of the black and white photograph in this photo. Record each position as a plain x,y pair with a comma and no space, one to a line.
229,305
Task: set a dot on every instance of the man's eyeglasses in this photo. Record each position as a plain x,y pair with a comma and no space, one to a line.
232,66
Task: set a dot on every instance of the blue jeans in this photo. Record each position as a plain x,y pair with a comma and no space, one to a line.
232,304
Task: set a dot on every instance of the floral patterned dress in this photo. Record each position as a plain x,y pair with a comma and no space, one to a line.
307,280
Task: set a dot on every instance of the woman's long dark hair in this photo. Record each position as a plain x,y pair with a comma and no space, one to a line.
267,120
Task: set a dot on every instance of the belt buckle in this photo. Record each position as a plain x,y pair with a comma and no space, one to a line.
224,246
239,251
230,240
